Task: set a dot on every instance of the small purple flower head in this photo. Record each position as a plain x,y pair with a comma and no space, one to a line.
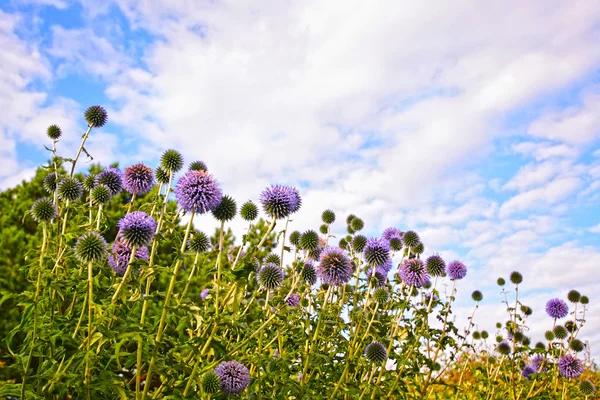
204,294
112,178
413,272
334,267
121,253
377,251
390,233
377,277
387,267
527,371
234,377
539,363
138,179
556,308
428,298
296,200
137,228
198,191
278,201
570,367
456,270
293,300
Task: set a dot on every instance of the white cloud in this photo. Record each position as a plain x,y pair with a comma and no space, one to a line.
595,229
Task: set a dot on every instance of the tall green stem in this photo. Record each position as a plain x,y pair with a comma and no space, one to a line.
218,277
85,136
88,374
314,338
126,275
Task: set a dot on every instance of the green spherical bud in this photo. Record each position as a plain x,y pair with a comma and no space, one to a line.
198,166
349,238
199,242
357,224
309,274
295,238
503,348
89,183
249,212
498,325
69,189
540,346
381,295
437,366
43,210
90,247
350,230
309,240
526,341
411,239
349,219
376,353
324,229
570,326
549,335
328,217
161,175
272,259
50,182
516,277
211,384
526,310
435,265
100,194
485,335
418,249
270,277
96,116
560,332
358,243
226,210
171,160
576,345
584,300
396,243
501,282
476,335
499,339
518,336
304,302
54,132
574,296
343,244
587,388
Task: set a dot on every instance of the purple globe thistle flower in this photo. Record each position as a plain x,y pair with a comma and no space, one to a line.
296,199
293,300
137,228
377,277
198,191
556,308
278,201
389,233
527,371
428,299
234,377
413,272
570,367
456,270
377,251
334,267
138,179
121,253
112,178
387,266
204,294
539,363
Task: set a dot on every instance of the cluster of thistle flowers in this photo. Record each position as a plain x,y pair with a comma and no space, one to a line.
560,353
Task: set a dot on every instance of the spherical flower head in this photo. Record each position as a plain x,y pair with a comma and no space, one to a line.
389,233
349,218
69,189
584,300
234,377
516,277
138,179
198,166
456,270
377,251
570,367
357,224
121,253
96,116
309,274
381,295
560,332
503,348
413,273
309,240
387,267
573,296
198,191
90,247
377,277
576,345
328,217
211,384
226,210
278,201
293,300
343,244
556,308
527,371
101,194
334,267
587,388
476,335
501,282
249,211
54,132
296,200
539,363
376,353
395,243
204,294
549,335
43,210
171,160
137,229
477,295
112,178
273,259
358,243
270,276
89,182
50,183
161,175
436,266
411,239
315,254
199,242
295,238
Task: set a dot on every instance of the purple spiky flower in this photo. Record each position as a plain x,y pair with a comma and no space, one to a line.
389,233
293,300
198,191
456,270
413,272
539,363
137,228
296,199
556,308
570,367
527,371
377,277
377,251
279,201
138,179
334,267
121,253
112,178
234,377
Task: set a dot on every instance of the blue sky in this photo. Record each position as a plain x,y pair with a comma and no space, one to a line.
476,125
